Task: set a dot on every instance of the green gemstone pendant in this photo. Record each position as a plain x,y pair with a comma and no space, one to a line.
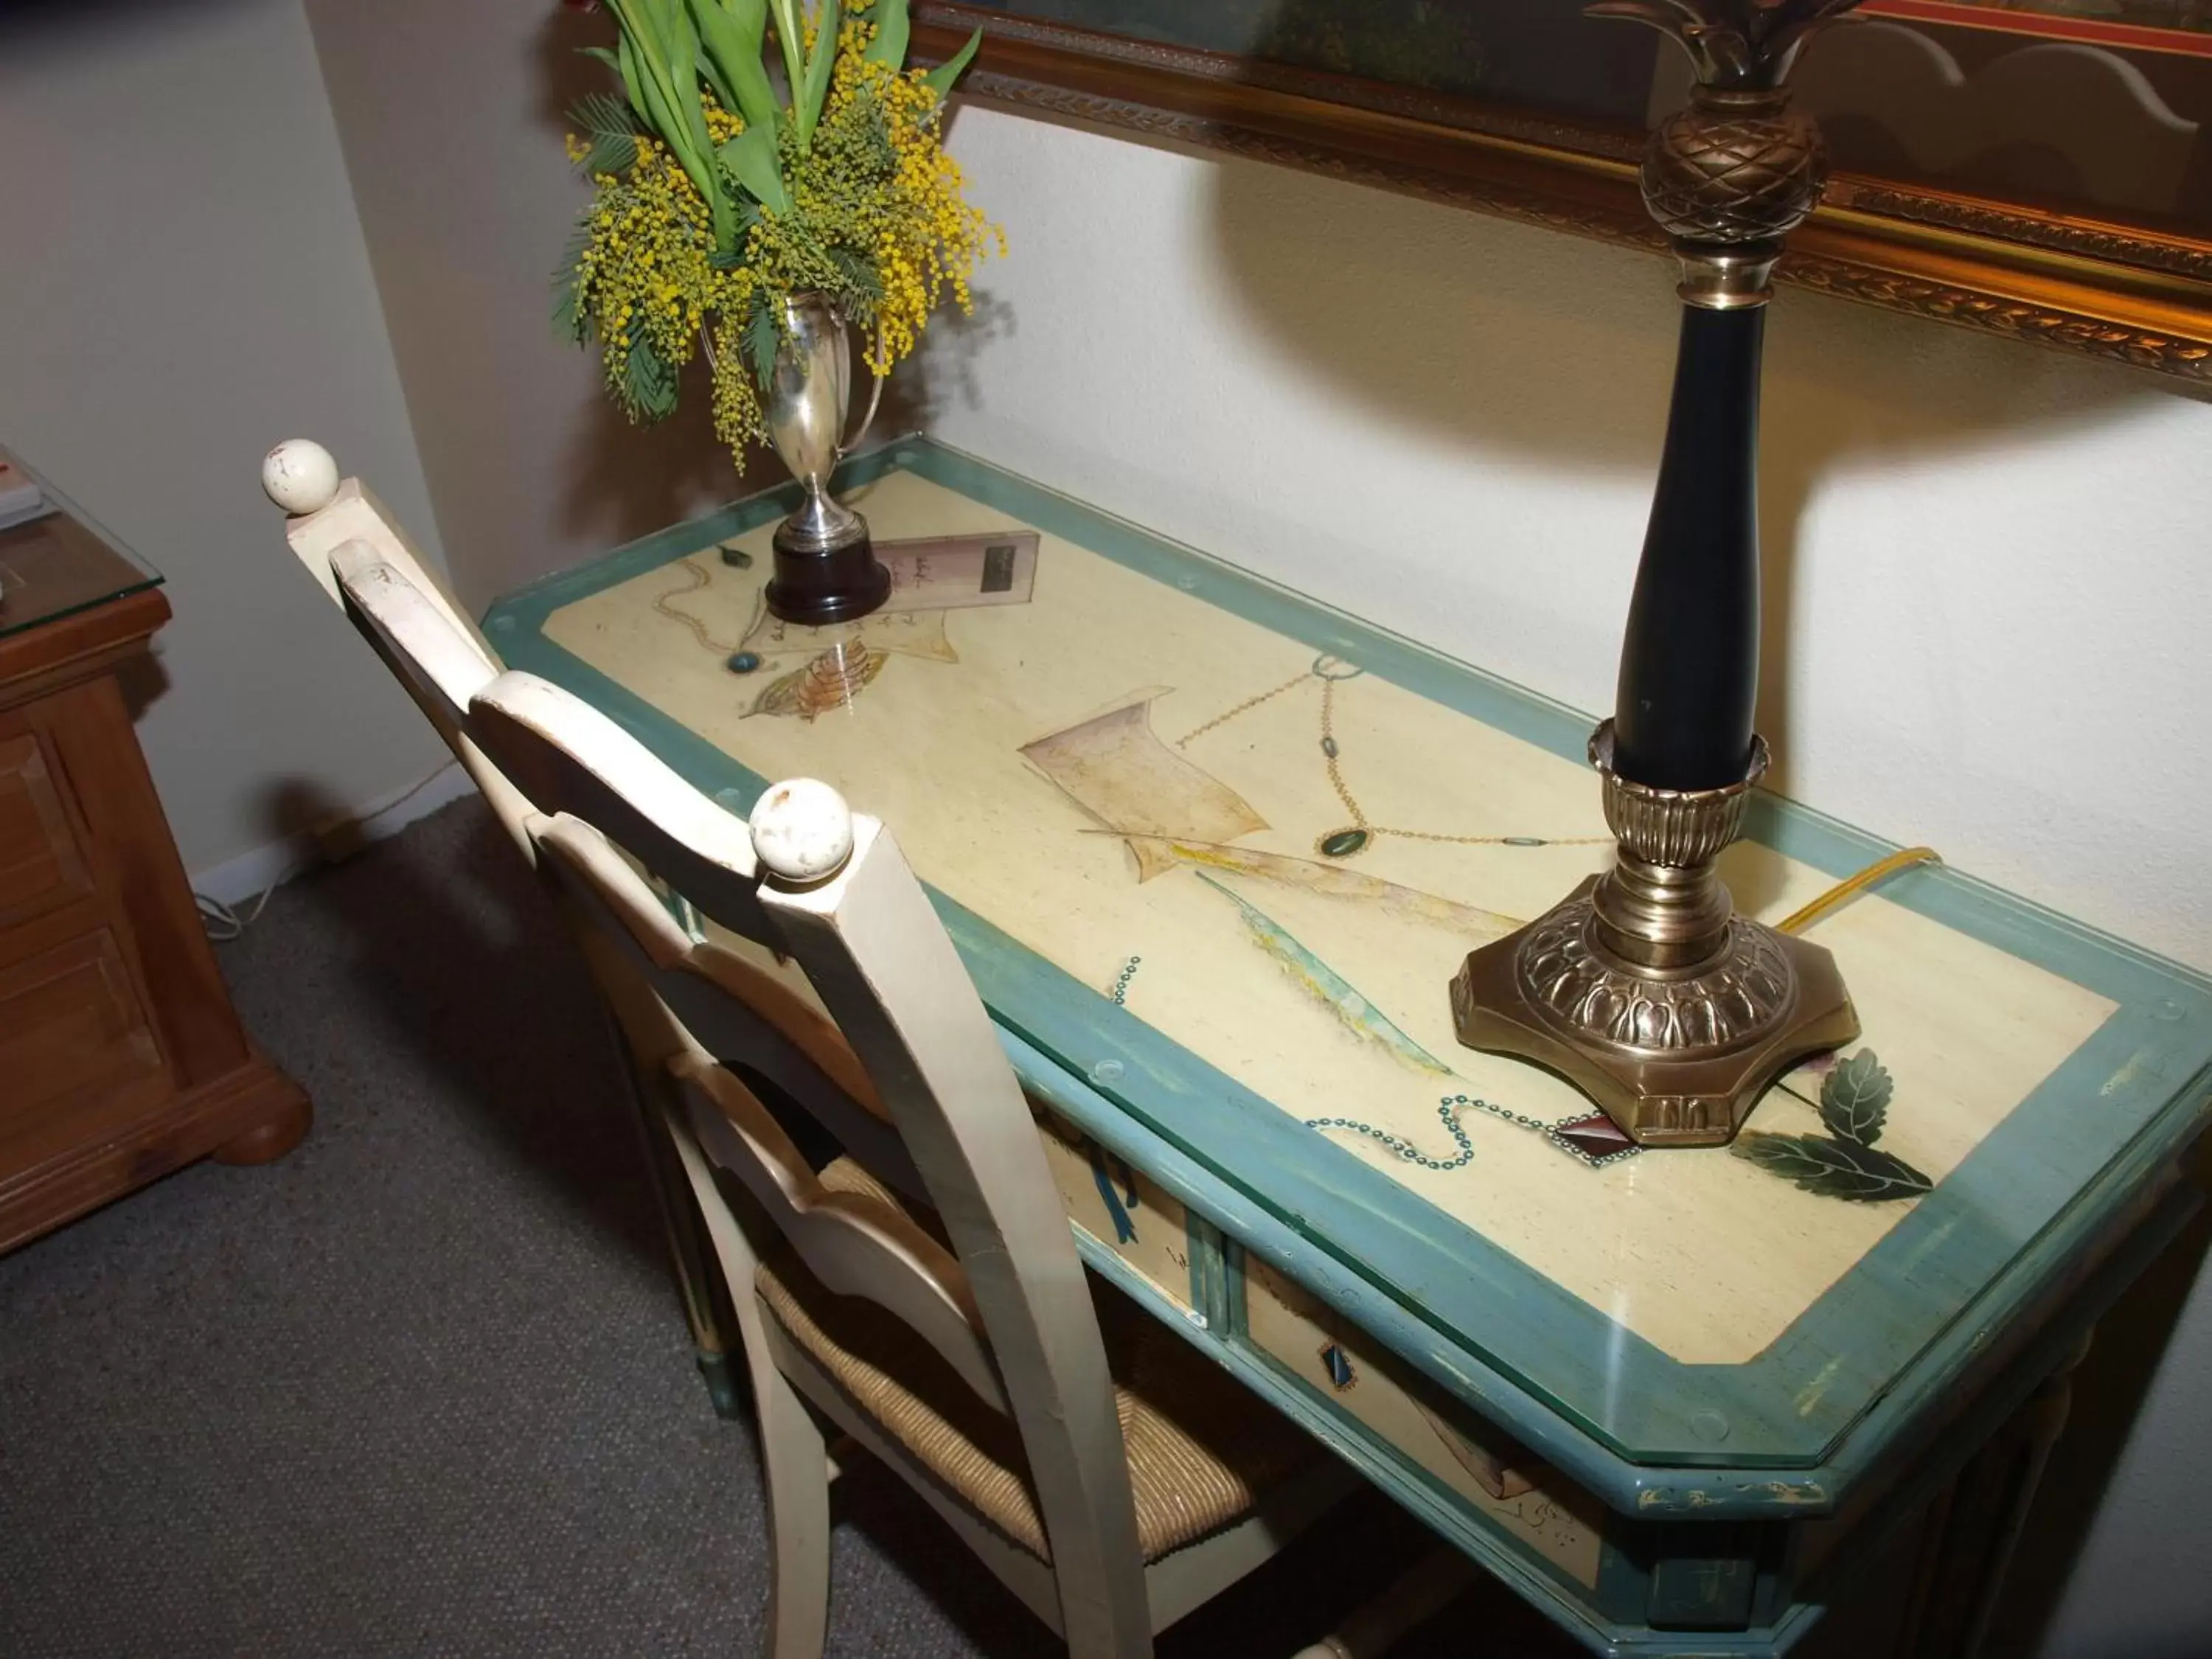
1342,843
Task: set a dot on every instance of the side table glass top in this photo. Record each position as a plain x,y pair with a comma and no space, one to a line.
60,562
1216,851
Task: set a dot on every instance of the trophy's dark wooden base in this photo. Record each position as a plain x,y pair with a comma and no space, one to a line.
814,589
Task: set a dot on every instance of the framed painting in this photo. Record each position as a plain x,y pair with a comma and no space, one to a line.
2041,169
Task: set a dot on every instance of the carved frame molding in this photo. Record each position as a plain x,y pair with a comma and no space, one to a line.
2097,290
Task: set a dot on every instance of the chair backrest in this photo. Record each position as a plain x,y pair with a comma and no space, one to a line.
364,561
906,1037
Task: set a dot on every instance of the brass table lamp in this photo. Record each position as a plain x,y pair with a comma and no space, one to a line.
1642,987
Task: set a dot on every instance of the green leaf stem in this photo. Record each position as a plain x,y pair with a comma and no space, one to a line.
940,79
815,87
893,30
732,32
752,160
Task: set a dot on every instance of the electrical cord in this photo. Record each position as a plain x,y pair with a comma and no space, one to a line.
226,922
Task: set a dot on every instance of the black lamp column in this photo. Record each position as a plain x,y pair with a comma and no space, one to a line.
1643,986
1689,662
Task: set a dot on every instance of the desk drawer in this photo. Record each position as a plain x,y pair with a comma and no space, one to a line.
1539,1509
1120,1208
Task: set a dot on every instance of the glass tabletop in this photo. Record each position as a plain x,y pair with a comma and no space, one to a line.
1216,851
56,559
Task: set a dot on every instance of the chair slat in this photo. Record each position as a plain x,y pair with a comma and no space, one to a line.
722,1005
854,1245
568,757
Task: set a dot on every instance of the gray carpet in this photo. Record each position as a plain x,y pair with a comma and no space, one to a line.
423,1388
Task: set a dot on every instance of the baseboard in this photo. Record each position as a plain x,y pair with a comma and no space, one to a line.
336,839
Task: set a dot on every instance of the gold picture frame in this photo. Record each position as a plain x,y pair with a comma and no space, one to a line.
2110,286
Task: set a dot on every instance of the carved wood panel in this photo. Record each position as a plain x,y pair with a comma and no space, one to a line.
41,864
72,1032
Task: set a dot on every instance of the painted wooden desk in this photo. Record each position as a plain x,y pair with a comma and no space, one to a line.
1212,851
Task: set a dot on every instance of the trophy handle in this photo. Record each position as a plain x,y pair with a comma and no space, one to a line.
875,397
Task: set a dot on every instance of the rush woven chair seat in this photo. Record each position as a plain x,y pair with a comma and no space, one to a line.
1202,1453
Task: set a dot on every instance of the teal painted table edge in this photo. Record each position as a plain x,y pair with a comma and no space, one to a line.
1448,1280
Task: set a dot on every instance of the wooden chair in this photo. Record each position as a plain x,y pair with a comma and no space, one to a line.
921,1293
366,563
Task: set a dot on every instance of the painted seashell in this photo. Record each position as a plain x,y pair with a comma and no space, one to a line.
829,681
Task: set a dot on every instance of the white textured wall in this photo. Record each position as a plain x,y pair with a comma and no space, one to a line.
1988,573
183,282
452,121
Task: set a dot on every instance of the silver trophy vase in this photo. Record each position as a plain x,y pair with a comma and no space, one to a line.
825,569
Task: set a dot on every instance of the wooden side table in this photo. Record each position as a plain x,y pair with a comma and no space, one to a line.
121,1058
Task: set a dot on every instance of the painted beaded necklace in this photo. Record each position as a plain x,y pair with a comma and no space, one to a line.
1361,832
1592,1139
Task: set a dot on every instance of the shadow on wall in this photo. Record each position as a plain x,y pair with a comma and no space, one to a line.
1481,358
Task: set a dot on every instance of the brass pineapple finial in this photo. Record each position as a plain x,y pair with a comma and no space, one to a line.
1731,174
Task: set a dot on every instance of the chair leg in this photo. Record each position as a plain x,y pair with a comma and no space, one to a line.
1425,1590
714,1341
797,1468
795,1464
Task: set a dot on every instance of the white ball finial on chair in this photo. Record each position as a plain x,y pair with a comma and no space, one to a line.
299,475
802,829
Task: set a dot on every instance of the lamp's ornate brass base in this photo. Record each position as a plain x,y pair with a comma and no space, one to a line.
1643,988
1548,993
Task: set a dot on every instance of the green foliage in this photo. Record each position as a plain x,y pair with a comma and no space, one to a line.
720,189
763,336
658,56
861,280
790,39
1833,1168
648,388
570,320
611,129
815,87
754,162
732,31
1855,1099
940,79
893,30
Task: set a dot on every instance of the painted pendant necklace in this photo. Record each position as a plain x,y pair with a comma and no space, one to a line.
1591,1139
1362,833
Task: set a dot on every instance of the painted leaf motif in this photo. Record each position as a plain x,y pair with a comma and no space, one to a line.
1327,987
1855,1098
1833,1168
